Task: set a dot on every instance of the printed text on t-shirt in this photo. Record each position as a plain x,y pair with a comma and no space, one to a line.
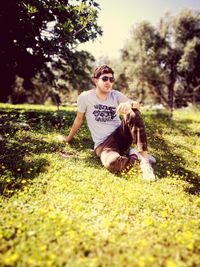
104,113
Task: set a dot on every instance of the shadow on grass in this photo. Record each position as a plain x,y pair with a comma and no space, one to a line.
19,149
19,162
40,120
169,161
83,143
93,161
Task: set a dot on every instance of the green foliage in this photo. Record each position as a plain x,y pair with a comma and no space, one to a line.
60,207
164,61
40,37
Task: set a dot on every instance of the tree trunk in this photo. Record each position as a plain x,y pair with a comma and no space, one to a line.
171,98
171,88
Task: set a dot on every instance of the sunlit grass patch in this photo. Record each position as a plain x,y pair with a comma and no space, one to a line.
60,207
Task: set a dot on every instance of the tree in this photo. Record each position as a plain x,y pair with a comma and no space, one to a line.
164,61
187,34
39,36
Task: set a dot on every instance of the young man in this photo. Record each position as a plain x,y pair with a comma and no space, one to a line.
112,137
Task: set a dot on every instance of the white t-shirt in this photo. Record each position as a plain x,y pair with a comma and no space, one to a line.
101,116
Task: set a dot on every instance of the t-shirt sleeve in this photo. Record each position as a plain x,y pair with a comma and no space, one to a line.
81,104
121,97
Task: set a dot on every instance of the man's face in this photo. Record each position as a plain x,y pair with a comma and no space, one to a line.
105,82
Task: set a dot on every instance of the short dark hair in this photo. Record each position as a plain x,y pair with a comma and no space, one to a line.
103,69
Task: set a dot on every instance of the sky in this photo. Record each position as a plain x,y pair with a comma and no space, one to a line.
117,18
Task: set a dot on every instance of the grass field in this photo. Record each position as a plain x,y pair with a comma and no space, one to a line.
60,207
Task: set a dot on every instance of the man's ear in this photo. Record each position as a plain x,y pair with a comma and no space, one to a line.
94,81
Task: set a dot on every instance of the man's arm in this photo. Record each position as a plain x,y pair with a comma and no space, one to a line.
80,117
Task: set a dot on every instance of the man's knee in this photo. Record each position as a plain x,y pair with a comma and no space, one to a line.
113,161
108,158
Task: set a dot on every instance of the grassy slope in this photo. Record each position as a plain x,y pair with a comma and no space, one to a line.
69,211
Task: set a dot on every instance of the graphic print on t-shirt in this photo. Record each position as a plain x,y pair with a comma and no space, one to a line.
104,113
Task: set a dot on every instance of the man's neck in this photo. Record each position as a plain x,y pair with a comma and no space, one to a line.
101,95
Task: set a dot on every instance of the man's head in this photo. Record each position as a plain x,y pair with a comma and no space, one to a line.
103,69
104,78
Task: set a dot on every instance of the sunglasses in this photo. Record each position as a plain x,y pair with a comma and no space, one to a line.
106,78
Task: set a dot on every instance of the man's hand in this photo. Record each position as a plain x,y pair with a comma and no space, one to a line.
123,108
63,139
126,107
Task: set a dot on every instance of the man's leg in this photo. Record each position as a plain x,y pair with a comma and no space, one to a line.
115,162
111,151
135,123
132,130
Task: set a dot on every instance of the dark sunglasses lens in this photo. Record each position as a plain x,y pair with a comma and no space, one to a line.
105,79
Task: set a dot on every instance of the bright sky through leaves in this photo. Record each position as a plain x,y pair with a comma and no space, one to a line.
118,17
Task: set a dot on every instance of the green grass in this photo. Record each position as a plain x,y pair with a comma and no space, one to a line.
70,211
